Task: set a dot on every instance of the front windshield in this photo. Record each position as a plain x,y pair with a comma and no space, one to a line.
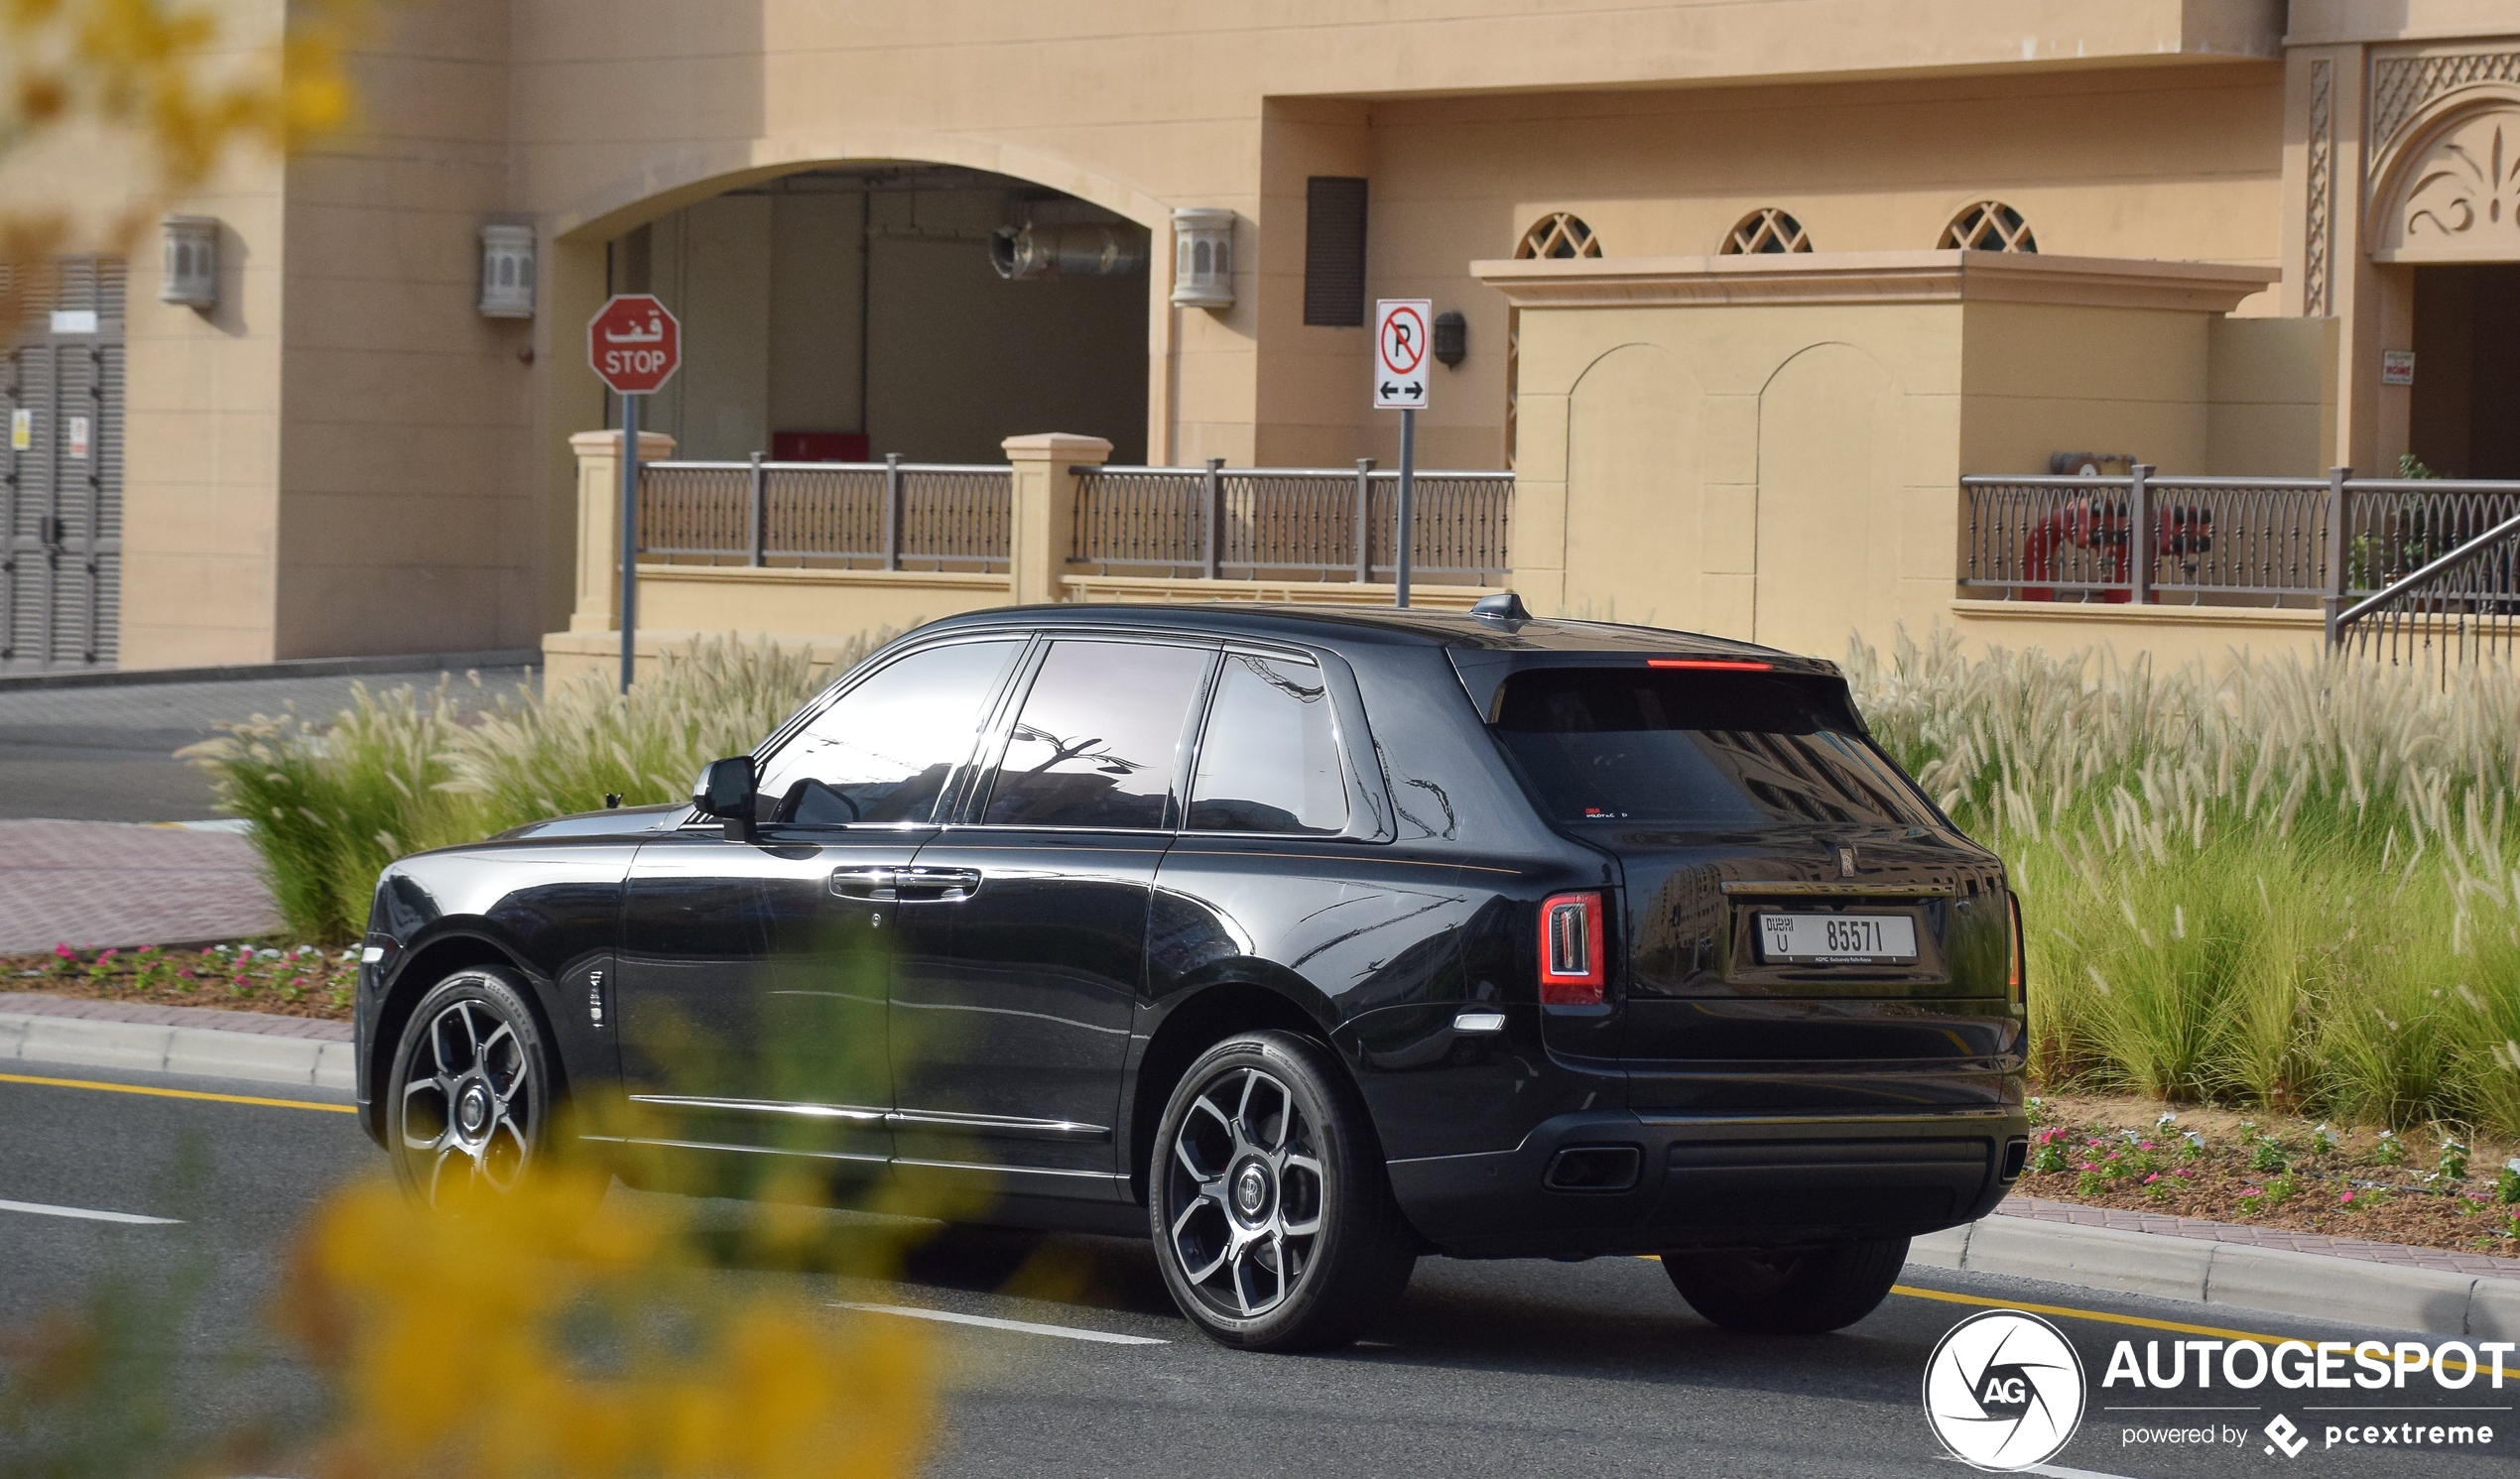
1700,749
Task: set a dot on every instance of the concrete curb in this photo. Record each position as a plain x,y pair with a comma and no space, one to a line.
115,677
2269,1280
313,1062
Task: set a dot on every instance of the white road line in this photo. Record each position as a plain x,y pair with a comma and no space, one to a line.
1025,1327
42,1210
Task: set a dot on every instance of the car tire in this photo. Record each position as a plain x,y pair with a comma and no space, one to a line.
1789,1292
1273,1218
470,1099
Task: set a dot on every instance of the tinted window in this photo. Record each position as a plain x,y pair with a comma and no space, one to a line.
1710,749
1269,761
1095,743
884,752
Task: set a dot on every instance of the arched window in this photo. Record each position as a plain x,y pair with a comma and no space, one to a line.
1559,234
1766,229
1988,226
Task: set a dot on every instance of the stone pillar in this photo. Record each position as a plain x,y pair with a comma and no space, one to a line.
1045,509
599,607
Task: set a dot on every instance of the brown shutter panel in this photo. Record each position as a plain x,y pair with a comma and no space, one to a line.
1334,251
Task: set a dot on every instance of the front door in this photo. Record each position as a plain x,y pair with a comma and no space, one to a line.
1025,954
755,976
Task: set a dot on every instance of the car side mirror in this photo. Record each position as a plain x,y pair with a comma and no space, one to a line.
728,790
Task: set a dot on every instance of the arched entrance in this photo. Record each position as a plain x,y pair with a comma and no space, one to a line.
848,312
2449,232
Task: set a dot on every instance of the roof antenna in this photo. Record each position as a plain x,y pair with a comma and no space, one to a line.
1503,606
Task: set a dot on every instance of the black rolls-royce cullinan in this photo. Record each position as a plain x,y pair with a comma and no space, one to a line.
1304,942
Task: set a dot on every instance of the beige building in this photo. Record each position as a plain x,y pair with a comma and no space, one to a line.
1746,289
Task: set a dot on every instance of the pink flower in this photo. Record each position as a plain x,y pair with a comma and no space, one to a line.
64,952
2155,1177
2347,1198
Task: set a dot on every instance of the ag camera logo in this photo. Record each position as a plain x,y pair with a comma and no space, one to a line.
2004,1390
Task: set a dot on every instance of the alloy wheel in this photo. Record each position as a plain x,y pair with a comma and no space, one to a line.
1245,1193
468,1102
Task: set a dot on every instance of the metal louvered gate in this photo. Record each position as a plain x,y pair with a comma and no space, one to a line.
61,476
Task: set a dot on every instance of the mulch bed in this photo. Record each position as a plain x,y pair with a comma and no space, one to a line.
2278,1171
247,976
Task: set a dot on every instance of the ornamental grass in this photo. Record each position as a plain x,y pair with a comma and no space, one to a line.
2279,883
331,802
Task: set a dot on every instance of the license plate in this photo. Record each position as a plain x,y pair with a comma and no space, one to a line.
1837,940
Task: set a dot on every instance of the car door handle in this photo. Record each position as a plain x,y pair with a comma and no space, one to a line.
865,883
935,885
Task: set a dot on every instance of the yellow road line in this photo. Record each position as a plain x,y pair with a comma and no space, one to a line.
2070,1312
133,1088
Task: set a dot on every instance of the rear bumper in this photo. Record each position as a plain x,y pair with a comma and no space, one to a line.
1713,1181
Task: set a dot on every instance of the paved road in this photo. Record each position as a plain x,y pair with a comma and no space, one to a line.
106,754
1517,1367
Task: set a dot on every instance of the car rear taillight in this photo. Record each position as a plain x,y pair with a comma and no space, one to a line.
2016,973
1571,965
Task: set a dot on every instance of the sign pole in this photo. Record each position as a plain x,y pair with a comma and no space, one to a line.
634,345
629,538
1399,384
1408,506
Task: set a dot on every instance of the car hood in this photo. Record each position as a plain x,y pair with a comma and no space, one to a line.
619,822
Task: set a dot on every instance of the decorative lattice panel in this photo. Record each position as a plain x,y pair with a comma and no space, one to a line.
1766,229
1559,234
1988,226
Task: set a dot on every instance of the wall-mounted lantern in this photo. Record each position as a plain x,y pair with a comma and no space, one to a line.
191,275
1202,258
507,272
1452,338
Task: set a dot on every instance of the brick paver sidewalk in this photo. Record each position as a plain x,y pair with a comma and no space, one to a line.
92,884
260,1024
2440,1260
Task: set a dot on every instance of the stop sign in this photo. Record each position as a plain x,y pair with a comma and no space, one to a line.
634,343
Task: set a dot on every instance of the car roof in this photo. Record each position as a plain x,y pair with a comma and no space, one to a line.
1380,626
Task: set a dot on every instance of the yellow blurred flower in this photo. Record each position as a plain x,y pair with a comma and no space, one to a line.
553,1334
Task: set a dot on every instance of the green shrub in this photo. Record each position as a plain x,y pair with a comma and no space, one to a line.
2282,883
402,771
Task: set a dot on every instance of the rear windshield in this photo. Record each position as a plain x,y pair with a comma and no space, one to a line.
1697,748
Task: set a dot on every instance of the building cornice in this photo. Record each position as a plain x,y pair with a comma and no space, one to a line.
1873,277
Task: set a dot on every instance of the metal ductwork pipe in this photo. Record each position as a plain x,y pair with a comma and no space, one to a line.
1089,250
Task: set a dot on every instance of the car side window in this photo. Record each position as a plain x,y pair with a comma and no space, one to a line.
1268,760
885,751
1096,741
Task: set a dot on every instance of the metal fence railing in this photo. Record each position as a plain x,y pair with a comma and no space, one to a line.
2461,606
1262,522
2142,538
888,514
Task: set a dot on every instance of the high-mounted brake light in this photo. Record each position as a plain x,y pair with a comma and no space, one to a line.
1710,664
1571,971
2015,976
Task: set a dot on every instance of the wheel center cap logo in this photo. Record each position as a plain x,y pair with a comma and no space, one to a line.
475,1109
1251,1189
2004,1390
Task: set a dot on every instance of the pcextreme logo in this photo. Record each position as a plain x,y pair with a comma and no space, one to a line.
2004,1390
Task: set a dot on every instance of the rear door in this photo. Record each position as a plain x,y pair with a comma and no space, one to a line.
1802,929
1023,950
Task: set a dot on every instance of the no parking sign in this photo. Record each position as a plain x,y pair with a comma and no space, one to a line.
1400,353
